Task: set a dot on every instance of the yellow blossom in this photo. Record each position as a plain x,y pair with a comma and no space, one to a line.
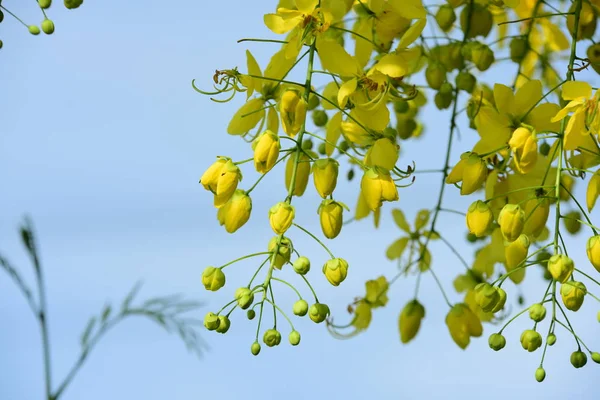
579,95
511,220
302,172
331,216
479,218
266,151
292,108
410,319
377,186
516,253
221,179
523,144
281,216
471,170
593,251
236,212
325,174
572,294
463,324
383,153
561,267
336,270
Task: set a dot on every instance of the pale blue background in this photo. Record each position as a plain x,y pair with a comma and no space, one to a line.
103,141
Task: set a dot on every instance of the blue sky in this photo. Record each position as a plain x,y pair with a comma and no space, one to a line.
103,142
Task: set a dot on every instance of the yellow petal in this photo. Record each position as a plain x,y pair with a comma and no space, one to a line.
504,98
396,65
412,33
333,133
363,48
396,249
575,89
400,220
409,9
306,6
243,121
335,59
540,118
345,91
281,23
527,96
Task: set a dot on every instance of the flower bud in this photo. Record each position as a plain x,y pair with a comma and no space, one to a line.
435,75
255,348
561,267
463,324
322,149
540,374
536,216
272,337
300,308
34,29
578,359
571,221
486,296
222,179
537,312
523,144
515,254
518,49
318,312
213,278
266,151
281,216
294,338
244,297
479,218
45,4
284,251
307,144
331,218
531,340
377,186
511,220
292,108
442,101
48,26
545,148
410,319
471,170
587,21
496,341
250,314
236,212
325,174
501,300
573,293
335,270
445,17
301,265
72,4
596,357
211,321
482,56
593,251
302,173
224,324
551,340
477,19
465,81
320,118
593,190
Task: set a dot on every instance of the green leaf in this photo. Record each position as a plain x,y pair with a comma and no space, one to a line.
88,331
397,248
421,219
400,220
433,235
425,261
127,301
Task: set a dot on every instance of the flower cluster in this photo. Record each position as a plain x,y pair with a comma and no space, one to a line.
536,137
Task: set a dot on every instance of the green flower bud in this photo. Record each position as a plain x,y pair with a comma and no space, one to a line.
435,74
350,174
596,357
313,102
571,222
544,148
34,29
250,314
465,81
593,53
478,19
445,17
344,145
48,27
578,359
540,374
537,312
72,4
301,265
307,144
409,321
573,294
213,278
322,149
1,44
45,4
561,267
211,321
300,308
598,316
401,106
336,270
318,312
446,89
294,338
406,127
442,101
496,341
224,324
255,348
284,252
320,118
488,297
518,49
272,337
471,238
551,339
244,297
593,251
531,340
1,17
482,56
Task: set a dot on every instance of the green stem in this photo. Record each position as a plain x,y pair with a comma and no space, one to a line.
288,284
245,257
315,238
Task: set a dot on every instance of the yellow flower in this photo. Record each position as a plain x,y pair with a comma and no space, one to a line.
516,253
410,319
221,179
281,216
376,292
213,278
266,151
523,144
489,298
561,267
536,215
593,190
292,108
325,174
377,186
471,170
479,218
281,253
331,217
579,95
572,294
383,153
511,220
336,270
463,324
302,172
593,251
236,212
531,340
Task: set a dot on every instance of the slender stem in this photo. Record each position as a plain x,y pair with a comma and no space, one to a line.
14,16
311,288
275,306
288,284
263,175
315,238
245,257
